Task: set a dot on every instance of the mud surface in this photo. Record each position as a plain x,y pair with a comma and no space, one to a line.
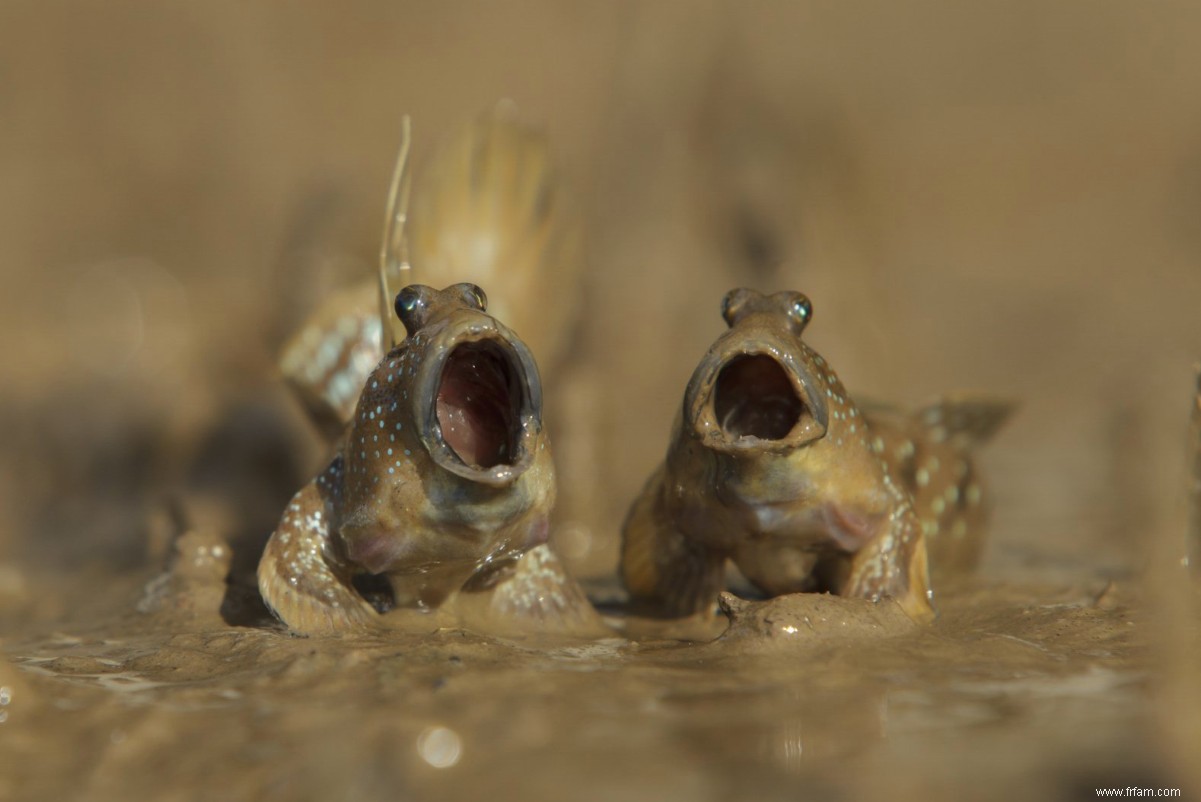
1002,199
1043,688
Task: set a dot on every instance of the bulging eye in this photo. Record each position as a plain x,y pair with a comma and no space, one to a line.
800,309
474,296
411,305
732,305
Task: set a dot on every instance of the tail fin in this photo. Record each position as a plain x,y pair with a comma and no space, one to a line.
966,421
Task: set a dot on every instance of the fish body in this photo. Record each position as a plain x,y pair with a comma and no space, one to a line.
772,465
444,479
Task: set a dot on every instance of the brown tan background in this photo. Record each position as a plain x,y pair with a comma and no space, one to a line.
1002,197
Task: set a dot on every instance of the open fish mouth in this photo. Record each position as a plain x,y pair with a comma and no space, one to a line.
754,397
744,397
479,402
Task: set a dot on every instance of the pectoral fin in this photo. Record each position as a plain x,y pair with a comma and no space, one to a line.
534,595
662,570
300,578
894,565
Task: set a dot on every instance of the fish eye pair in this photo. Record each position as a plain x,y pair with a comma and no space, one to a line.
444,485
413,303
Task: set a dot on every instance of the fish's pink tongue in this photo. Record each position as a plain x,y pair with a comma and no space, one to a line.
475,433
477,407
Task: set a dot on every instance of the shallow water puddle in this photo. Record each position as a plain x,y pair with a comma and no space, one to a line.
829,693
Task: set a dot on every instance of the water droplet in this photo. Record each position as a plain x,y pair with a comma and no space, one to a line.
441,747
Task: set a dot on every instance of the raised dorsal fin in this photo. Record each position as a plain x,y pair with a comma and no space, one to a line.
394,269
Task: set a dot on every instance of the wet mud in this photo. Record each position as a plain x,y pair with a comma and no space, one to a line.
805,694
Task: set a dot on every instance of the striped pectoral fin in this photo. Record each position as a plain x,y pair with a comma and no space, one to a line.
661,569
299,579
534,595
893,565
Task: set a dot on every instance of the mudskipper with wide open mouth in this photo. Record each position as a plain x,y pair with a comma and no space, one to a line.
443,487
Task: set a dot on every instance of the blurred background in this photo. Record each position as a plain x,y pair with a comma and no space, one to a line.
1001,197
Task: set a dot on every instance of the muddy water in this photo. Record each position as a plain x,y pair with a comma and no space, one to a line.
1039,688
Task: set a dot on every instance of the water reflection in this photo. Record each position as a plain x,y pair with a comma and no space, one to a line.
780,732
441,747
785,745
